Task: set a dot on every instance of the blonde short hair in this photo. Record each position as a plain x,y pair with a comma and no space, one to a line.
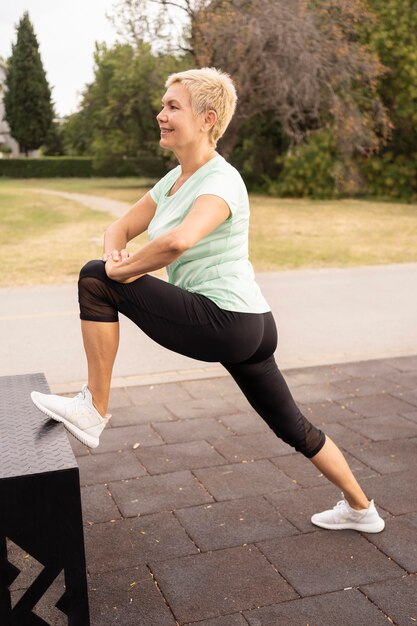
209,88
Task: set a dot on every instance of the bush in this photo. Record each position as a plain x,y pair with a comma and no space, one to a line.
82,167
308,170
145,165
391,176
47,167
4,149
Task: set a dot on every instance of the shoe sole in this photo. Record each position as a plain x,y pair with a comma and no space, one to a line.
377,527
82,436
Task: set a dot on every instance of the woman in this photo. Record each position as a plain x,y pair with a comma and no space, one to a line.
197,219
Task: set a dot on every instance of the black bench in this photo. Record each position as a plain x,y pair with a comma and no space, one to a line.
40,506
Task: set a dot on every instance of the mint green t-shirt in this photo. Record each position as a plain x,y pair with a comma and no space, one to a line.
217,266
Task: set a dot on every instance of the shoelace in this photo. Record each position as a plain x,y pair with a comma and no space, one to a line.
81,410
340,510
78,403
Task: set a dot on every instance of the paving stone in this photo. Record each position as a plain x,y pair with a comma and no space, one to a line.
298,507
325,561
367,369
98,505
166,392
29,567
236,619
387,457
340,608
316,374
243,479
221,386
251,447
300,470
367,386
125,437
343,436
118,398
317,393
408,396
245,423
375,405
207,407
121,598
384,427
320,413
396,493
236,522
102,468
304,473
210,584
341,371
142,414
404,363
397,598
154,493
240,404
398,541
405,379
191,430
132,542
78,448
410,415
45,608
178,456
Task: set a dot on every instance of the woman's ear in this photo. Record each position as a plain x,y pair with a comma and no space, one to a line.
210,118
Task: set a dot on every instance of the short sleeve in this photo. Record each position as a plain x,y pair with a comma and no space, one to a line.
222,184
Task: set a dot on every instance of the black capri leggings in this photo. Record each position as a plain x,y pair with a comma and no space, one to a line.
193,325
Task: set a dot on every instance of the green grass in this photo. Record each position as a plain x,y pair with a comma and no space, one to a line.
335,233
46,239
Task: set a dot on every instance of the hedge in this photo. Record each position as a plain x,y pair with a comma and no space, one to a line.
82,167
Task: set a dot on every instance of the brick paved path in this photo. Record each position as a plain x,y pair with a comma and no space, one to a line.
195,513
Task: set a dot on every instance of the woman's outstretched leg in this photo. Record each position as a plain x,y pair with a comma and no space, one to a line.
101,341
266,390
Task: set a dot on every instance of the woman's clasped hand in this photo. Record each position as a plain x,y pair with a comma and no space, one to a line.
113,260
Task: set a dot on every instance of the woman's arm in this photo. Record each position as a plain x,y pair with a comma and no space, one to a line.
208,213
127,227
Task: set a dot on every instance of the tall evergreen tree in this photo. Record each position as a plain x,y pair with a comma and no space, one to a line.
28,105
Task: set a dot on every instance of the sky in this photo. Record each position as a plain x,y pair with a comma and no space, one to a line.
66,31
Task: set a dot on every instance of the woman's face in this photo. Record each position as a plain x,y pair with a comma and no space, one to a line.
179,125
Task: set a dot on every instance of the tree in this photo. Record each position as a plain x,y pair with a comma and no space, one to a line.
118,109
54,142
394,39
301,63
28,105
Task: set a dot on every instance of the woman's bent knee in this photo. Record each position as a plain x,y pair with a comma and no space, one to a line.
93,269
98,301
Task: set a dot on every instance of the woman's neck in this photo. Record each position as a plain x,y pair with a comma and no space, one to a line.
192,160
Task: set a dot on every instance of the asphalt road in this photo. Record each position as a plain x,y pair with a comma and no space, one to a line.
323,316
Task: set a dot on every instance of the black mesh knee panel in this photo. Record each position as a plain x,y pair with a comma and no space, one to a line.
98,300
314,439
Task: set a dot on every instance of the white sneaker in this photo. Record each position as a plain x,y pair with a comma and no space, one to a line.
79,415
343,516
